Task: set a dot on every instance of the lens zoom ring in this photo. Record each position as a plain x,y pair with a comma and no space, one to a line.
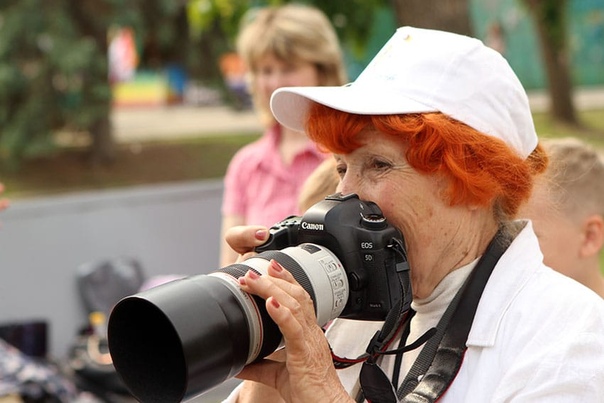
237,270
294,268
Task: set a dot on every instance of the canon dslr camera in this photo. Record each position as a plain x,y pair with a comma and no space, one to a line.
182,338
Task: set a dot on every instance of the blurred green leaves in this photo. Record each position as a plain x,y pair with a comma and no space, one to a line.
54,64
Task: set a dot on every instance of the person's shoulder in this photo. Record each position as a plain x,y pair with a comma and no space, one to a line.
569,289
523,288
554,297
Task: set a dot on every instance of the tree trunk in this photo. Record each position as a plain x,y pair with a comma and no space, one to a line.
96,92
445,15
103,145
549,17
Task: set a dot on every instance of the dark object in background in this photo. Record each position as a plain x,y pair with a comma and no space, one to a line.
31,337
92,367
103,283
26,373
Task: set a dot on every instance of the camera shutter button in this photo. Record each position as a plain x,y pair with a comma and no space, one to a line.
373,221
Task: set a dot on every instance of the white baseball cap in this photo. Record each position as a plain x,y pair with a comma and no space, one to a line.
422,70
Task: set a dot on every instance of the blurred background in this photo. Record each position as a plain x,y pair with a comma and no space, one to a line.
118,119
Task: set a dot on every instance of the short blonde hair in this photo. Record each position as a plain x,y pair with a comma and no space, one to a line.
293,33
575,177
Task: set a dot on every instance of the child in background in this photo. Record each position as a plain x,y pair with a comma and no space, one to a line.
567,211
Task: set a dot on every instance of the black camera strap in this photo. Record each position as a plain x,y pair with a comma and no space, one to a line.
442,356
440,359
396,318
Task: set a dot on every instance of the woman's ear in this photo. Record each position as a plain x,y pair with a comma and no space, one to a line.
593,236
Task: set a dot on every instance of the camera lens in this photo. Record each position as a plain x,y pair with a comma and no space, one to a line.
182,338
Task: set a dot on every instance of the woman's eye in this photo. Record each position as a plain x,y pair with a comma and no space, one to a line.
265,72
380,164
341,170
290,68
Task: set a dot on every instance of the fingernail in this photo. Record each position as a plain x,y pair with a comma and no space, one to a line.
276,266
252,274
260,234
275,303
242,281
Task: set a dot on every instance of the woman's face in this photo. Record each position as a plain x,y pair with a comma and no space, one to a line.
411,201
272,73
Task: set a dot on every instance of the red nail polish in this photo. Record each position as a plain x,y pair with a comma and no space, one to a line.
275,303
242,280
252,274
276,266
260,234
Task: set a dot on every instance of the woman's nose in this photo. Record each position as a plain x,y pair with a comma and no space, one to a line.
346,185
276,81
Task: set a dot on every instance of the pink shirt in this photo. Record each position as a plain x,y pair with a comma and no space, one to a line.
260,187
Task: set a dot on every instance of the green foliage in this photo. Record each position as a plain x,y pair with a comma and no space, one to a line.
202,14
351,18
28,65
54,68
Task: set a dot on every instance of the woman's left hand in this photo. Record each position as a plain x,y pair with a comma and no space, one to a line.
307,374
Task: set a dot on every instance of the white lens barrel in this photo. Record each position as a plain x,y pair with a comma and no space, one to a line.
327,277
325,274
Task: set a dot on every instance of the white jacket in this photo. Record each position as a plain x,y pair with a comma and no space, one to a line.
537,336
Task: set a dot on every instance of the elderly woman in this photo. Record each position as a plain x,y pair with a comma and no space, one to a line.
437,131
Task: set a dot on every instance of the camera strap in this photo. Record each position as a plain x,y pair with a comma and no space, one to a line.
397,317
442,356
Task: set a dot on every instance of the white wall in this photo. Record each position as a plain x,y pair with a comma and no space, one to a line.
168,229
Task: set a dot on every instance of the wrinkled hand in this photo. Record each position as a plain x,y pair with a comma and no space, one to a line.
308,374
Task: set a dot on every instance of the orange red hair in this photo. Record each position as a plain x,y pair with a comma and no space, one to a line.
482,169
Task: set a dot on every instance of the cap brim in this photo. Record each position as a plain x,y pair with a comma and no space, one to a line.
290,104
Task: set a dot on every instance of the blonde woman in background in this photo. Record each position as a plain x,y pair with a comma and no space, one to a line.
291,45
567,210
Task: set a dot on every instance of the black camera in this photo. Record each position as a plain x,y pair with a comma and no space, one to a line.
359,235
182,338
